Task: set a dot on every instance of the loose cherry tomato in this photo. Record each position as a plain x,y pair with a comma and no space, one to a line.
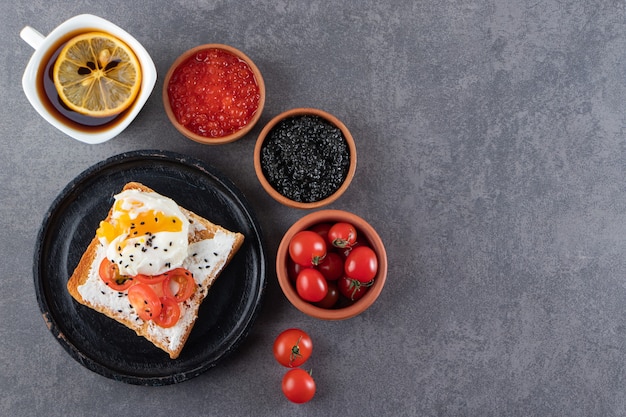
170,313
352,288
332,297
298,386
144,300
361,264
179,284
342,235
307,248
110,274
322,230
292,347
331,266
311,285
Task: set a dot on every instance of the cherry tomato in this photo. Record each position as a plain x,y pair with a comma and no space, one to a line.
342,235
331,266
332,297
293,269
144,300
322,230
298,386
352,288
311,285
307,248
110,274
292,347
344,252
179,284
361,264
170,313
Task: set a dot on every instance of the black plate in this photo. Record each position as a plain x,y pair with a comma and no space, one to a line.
102,344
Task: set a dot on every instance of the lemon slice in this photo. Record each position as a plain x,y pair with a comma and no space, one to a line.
97,75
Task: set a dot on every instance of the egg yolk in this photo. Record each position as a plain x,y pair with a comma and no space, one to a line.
146,223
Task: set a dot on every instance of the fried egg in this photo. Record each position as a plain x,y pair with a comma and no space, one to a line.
146,234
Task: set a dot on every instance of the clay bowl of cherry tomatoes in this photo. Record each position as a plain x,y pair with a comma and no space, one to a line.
213,94
331,264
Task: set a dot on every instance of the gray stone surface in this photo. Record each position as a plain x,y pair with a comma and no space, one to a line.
491,160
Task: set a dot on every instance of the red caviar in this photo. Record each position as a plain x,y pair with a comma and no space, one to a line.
213,93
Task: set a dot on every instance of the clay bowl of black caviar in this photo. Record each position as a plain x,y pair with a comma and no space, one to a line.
345,291
213,94
305,158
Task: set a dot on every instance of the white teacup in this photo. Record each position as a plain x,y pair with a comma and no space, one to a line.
35,69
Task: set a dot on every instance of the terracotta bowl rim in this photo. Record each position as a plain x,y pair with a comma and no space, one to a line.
375,242
224,139
302,111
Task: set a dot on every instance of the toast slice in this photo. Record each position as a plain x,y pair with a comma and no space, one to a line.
210,248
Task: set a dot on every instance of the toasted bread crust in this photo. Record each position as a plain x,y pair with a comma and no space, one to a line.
88,261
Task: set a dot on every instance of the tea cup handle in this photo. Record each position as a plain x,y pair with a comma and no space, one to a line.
32,37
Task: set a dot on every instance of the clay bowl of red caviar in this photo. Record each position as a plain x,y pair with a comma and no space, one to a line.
213,94
305,158
346,296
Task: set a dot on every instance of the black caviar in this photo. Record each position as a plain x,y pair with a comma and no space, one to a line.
305,158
